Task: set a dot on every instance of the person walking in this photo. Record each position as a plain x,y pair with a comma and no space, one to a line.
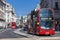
59,26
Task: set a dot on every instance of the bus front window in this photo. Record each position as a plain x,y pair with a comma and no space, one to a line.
46,24
46,18
45,13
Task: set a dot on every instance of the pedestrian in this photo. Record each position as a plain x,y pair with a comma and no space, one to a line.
59,26
55,25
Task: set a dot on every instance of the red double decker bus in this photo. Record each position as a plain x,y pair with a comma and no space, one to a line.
13,25
41,22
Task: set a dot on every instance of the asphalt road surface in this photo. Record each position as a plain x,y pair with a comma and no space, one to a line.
57,34
10,34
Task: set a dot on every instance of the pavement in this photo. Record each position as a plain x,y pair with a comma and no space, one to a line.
57,32
28,39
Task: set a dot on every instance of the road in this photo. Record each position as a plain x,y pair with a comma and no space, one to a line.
54,37
57,34
9,34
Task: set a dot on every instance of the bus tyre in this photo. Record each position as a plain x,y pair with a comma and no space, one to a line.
48,35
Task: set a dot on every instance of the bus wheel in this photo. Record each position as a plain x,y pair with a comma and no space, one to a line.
48,35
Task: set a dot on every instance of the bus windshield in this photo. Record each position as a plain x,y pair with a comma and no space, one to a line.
46,24
46,18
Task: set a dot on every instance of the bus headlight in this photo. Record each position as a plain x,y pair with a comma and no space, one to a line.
38,23
49,18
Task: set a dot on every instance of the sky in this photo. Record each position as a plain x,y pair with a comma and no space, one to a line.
23,7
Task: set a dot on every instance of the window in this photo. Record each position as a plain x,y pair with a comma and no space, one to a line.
1,6
8,20
45,13
46,24
56,5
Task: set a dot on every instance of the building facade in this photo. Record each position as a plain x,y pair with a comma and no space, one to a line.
10,14
2,13
55,4
50,3
24,19
19,21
